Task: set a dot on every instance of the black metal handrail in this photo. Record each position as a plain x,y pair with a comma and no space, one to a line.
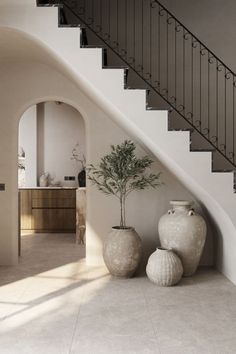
171,61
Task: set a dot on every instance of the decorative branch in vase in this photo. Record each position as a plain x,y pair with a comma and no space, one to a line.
80,158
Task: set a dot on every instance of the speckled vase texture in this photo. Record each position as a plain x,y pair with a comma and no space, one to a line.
164,267
122,252
184,231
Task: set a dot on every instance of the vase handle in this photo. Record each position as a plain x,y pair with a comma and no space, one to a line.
191,212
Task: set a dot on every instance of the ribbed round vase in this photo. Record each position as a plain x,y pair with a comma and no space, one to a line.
122,251
164,267
184,231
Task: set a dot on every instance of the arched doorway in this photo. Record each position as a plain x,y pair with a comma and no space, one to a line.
52,203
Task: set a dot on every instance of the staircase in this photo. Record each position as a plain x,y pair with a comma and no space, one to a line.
178,72
111,89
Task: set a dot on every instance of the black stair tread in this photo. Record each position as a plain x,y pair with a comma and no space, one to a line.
69,26
115,67
148,108
133,88
47,4
181,129
91,46
178,130
201,150
224,171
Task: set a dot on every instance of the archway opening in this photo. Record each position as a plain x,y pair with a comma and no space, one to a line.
51,184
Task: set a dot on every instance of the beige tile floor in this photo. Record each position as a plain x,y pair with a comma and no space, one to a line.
51,303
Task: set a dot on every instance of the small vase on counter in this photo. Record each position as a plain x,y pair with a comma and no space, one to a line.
184,231
43,180
82,178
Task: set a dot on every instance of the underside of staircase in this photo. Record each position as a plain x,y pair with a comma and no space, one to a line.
136,110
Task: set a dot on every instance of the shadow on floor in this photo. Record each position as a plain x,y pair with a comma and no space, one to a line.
40,253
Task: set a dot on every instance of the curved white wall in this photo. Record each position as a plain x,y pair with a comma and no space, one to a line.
28,142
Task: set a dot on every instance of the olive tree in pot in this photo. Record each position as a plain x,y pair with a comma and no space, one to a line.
119,173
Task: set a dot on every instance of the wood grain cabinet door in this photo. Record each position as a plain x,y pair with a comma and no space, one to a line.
26,209
48,210
53,219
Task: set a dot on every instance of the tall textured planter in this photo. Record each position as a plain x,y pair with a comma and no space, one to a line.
184,231
164,267
122,252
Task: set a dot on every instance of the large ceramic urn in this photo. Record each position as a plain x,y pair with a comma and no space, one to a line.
122,251
184,231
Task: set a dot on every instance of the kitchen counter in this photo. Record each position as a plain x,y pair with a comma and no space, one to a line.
47,188
48,209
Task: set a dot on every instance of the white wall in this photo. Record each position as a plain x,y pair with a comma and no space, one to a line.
49,143
28,141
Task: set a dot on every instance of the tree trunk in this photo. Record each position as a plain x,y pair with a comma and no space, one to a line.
124,217
121,212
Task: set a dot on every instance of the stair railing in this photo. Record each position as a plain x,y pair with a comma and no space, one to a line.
170,60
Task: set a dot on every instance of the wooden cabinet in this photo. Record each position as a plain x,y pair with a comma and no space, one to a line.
48,210
26,209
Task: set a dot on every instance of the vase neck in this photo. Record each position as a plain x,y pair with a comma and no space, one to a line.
181,205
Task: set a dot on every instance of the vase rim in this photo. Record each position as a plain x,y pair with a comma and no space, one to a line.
164,249
181,202
123,228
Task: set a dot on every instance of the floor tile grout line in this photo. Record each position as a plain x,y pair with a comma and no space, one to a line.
153,327
76,322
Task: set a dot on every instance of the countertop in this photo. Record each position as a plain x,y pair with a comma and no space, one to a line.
23,188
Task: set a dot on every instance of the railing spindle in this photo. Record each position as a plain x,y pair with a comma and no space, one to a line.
159,49
150,47
233,119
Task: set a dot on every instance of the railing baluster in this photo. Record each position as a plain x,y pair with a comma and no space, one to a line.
92,18
117,24
183,70
134,33
217,102
200,88
159,48
126,32
167,57
175,64
142,64
101,17
109,20
234,119
208,93
225,112
192,114
150,47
